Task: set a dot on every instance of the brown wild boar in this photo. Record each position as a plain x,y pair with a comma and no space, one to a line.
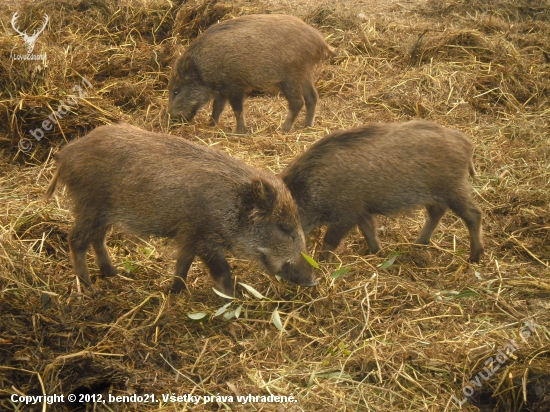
349,175
255,53
161,185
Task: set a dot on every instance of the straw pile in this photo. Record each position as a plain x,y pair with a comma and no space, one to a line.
406,329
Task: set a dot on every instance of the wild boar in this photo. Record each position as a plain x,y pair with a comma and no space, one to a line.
255,53
349,175
161,185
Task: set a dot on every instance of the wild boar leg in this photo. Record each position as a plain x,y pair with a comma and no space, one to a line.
336,231
367,226
237,104
310,96
79,242
466,209
435,213
217,109
219,269
292,93
102,258
183,263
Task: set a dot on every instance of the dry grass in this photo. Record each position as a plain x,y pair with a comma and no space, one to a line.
403,337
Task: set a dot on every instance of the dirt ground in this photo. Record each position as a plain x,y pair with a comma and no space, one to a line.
410,328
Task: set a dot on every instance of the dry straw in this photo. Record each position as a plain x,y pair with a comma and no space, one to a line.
408,338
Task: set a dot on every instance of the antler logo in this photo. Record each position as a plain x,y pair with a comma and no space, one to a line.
29,40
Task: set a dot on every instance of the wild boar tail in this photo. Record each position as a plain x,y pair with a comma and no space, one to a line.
53,184
471,169
331,52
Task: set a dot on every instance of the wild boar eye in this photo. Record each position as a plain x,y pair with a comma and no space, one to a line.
263,257
286,229
175,92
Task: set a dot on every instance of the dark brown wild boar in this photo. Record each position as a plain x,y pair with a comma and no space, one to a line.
259,52
349,175
161,185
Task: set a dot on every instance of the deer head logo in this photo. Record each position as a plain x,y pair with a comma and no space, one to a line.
29,40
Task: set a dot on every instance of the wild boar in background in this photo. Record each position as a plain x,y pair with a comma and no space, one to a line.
255,53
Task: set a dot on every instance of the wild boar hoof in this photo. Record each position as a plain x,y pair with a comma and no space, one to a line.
373,251
326,256
474,258
108,271
92,289
177,286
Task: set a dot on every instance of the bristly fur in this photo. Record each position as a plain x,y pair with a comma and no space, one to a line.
256,53
161,185
349,175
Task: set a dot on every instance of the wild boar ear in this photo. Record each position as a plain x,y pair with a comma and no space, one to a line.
264,195
186,67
